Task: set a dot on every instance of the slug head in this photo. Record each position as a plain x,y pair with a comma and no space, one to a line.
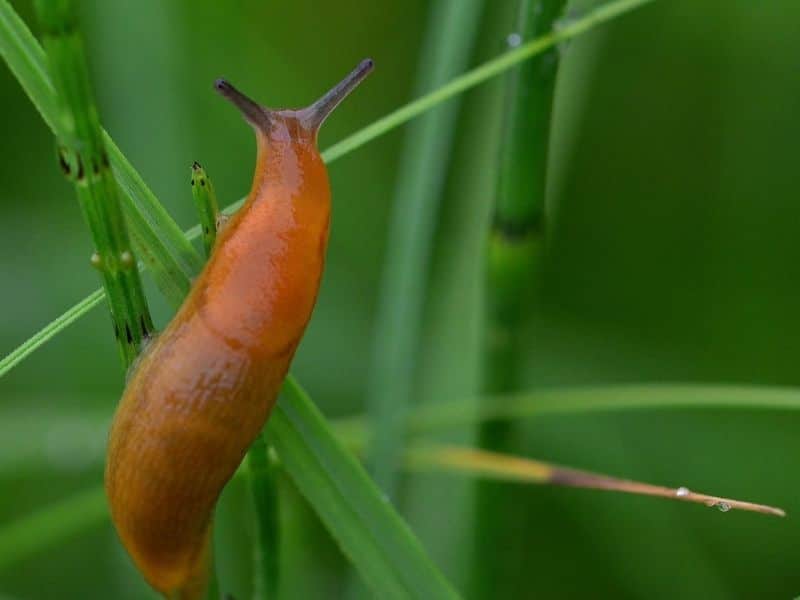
308,119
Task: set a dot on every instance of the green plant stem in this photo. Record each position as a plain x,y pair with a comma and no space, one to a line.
597,16
516,239
420,182
50,330
84,160
513,256
262,477
205,203
169,256
20,50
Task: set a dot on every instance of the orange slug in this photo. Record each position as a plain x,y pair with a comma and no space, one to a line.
204,388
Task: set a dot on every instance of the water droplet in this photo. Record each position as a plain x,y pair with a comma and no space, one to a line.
96,260
723,506
682,492
513,40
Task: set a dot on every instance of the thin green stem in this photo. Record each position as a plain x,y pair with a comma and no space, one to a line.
205,203
20,50
420,181
486,71
514,250
84,161
50,330
262,476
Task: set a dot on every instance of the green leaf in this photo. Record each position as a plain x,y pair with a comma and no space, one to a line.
370,532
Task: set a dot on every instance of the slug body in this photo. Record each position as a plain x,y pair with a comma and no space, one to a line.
204,388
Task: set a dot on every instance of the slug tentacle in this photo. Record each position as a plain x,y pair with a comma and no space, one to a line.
204,388
313,116
256,115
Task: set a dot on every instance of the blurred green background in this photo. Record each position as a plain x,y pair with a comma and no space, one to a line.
674,254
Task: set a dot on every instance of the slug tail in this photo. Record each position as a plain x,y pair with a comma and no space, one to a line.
194,582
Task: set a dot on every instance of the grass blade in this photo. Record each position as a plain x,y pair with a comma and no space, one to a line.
503,467
84,161
50,330
420,180
370,532
602,14
565,401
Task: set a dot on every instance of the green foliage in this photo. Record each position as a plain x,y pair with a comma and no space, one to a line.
671,259
83,158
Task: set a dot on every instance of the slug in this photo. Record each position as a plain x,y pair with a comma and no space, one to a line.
203,389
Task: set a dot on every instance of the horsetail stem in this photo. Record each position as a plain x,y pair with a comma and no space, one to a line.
205,202
513,258
83,158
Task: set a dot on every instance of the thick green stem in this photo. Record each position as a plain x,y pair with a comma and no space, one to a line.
263,485
205,202
514,252
84,160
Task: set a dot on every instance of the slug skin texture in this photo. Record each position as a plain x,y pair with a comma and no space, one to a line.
204,388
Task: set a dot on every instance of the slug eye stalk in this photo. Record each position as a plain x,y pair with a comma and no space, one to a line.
311,117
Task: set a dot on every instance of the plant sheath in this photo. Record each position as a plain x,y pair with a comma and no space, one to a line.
84,160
